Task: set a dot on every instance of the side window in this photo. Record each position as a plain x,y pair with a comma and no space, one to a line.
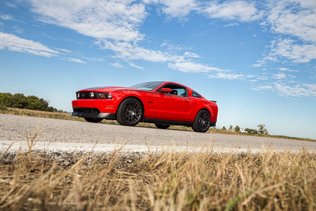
177,90
181,92
195,94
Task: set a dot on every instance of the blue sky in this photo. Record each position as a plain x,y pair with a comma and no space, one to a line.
256,58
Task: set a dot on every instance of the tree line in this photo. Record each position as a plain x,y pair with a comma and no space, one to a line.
25,102
261,129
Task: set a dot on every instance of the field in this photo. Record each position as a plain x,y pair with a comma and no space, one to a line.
67,116
157,181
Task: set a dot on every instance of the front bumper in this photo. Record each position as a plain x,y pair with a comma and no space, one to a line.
92,113
94,108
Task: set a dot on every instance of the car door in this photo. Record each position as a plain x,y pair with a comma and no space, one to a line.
174,106
177,107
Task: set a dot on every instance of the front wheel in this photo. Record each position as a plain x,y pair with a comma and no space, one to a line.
94,120
201,122
130,112
162,126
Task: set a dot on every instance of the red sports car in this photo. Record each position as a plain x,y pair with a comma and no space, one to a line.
162,103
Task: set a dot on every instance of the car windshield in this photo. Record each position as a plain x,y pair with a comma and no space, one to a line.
147,85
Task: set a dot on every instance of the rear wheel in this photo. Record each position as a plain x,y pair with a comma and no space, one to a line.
94,120
162,126
201,122
130,112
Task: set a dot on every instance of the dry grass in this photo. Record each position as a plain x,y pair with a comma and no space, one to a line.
35,113
158,181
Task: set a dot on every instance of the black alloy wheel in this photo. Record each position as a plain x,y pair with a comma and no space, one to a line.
201,122
162,126
94,120
130,112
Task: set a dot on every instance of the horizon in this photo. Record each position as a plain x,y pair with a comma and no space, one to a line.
256,59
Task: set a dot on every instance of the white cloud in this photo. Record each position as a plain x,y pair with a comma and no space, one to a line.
178,8
286,69
232,10
170,47
279,76
260,63
296,90
295,21
227,76
18,44
291,89
287,48
115,20
76,60
263,87
115,25
117,65
191,55
11,4
6,17
228,10
129,51
189,66
296,18
310,4
135,66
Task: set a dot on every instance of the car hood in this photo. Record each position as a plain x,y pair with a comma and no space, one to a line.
105,89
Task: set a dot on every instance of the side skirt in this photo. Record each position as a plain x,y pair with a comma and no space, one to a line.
167,122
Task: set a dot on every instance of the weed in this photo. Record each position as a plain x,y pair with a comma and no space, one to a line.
159,181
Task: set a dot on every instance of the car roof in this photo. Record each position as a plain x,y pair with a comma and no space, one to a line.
171,82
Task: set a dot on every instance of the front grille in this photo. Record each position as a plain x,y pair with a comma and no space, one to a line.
83,95
87,110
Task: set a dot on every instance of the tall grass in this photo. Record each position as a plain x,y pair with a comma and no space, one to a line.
158,181
35,113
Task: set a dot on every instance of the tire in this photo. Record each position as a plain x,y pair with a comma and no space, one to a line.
94,120
202,121
130,112
162,126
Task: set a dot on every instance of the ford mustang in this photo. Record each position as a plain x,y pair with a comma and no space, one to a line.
159,102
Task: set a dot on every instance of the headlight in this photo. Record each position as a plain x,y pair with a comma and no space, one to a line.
103,95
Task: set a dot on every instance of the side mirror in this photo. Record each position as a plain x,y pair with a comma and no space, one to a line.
166,90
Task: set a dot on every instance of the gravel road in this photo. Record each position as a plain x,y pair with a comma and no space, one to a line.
69,135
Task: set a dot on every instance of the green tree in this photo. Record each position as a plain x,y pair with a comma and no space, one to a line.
25,102
251,131
2,106
18,101
224,128
237,129
262,129
230,128
5,99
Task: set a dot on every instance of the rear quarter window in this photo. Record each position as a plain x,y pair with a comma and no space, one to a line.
195,94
